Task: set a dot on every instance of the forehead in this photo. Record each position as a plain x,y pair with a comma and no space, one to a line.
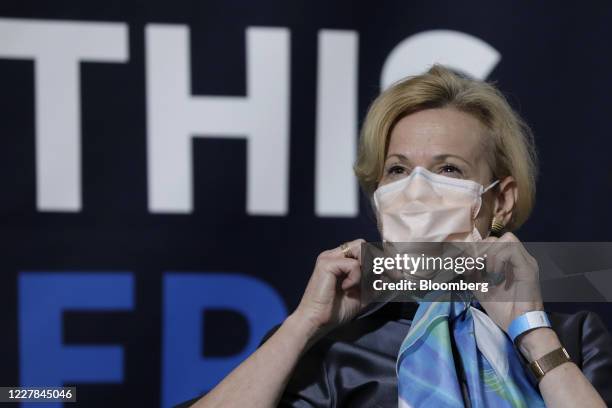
438,131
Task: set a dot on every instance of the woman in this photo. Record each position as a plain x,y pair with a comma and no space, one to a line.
334,351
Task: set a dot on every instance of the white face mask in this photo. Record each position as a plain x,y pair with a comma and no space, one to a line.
429,207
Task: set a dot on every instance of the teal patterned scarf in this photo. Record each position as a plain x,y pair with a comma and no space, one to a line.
492,373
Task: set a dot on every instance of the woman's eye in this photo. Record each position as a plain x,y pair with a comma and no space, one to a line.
450,169
393,170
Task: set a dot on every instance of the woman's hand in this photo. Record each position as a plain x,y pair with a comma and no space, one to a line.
332,297
333,293
520,291
564,385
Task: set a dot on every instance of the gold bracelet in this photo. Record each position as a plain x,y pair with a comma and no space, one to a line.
549,361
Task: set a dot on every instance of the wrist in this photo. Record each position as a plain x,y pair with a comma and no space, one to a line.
302,326
538,342
526,322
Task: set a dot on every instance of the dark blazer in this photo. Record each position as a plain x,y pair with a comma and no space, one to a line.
354,365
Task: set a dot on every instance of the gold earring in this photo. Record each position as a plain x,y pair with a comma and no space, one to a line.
496,227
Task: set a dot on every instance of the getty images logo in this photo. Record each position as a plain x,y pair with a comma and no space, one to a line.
175,116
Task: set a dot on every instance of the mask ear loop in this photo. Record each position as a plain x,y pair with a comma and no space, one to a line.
493,184
490,186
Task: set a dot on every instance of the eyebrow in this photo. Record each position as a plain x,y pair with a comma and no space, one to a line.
438,157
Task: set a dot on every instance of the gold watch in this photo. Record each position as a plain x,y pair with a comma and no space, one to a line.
549,361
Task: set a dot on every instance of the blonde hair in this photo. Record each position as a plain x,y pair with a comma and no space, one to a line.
511,146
